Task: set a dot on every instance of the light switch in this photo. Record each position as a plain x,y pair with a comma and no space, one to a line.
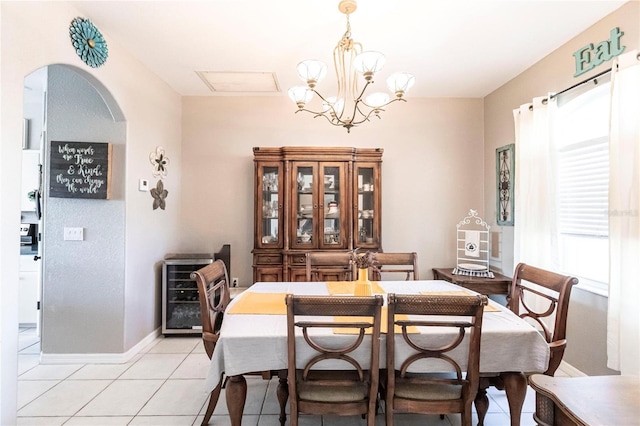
73,234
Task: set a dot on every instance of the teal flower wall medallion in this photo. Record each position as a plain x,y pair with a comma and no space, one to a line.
88,42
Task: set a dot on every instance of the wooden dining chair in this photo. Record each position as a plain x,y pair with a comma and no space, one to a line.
552,292
331,381
449,386
214,296
328,266
395,265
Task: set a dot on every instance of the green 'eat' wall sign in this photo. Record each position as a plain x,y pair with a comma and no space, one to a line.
590,56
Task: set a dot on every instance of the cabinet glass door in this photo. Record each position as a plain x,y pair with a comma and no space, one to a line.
367,222
333,195
270,199
305,207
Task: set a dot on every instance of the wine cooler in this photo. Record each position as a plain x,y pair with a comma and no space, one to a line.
180,305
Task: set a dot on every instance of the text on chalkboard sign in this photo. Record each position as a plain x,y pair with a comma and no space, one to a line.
80,170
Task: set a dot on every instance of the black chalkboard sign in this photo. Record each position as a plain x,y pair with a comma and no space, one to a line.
80,170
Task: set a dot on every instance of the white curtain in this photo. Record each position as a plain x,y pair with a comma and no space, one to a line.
623,325
535,200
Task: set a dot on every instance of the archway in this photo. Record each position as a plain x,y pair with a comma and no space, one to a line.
78,107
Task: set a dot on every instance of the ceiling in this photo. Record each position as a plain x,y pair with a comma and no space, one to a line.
454,48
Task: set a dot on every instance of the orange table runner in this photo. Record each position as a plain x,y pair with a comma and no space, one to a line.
383,324
273,303
487,308
260,304
348,287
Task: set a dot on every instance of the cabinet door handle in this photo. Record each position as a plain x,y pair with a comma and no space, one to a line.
36,258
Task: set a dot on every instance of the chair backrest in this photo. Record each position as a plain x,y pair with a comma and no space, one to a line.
427,392
327,266
393,264
214,296
331,380
556,301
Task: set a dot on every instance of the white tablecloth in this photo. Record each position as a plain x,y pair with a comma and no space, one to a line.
252,343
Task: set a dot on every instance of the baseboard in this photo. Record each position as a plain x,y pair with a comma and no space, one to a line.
570,370
105,358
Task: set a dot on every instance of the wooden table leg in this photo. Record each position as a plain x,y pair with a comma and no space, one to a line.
515,386
482,400
236,394
283,395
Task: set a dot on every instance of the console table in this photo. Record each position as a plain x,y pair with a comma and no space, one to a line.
501,284
595,400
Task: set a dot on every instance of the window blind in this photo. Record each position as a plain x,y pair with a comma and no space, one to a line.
583,188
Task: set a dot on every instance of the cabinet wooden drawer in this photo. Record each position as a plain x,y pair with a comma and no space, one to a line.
298,259
268,259
268,274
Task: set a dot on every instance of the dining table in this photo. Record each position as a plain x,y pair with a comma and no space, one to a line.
253,338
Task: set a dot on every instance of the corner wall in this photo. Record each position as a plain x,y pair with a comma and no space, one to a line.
586,331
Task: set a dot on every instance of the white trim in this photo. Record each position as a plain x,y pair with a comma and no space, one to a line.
105,358
570,370
591,288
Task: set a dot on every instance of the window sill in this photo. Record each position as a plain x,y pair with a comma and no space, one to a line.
594,287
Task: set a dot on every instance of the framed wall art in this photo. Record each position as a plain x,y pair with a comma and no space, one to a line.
505,175
80,170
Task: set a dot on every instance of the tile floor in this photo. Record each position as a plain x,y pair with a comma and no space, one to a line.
163,385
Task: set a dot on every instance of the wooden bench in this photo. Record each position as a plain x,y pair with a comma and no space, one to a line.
593,400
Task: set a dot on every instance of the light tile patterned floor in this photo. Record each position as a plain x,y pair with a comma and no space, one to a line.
163,385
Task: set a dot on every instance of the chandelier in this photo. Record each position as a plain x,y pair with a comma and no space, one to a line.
348,108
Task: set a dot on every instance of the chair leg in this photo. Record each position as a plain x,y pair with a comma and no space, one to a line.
466,418
388,414
213,401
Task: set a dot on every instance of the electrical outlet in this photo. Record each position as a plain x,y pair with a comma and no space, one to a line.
234,282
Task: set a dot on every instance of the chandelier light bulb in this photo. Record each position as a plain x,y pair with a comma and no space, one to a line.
369,63
337,104
311,71
400,83
300,95
377,100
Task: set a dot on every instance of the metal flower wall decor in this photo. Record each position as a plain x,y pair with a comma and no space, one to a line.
159,194
88,42
159,161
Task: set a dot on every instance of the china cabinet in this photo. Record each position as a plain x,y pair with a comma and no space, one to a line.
313,199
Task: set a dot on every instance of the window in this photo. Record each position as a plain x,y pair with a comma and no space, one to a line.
582,148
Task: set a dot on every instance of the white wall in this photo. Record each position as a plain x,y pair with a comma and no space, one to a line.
431,170
587,312
33,35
